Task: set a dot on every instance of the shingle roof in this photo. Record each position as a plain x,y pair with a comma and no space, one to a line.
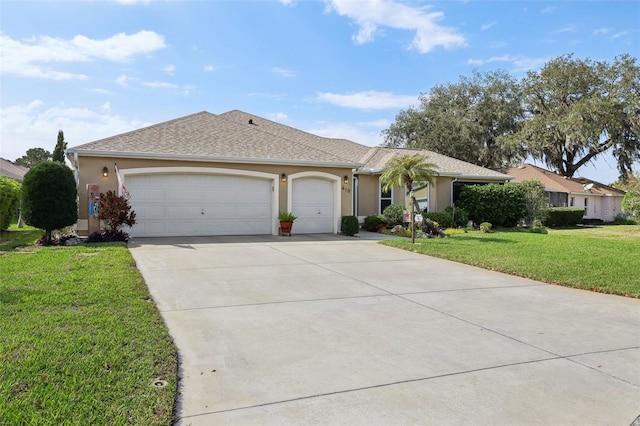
12,170
238,136
339,147
446,166
208,136
555,182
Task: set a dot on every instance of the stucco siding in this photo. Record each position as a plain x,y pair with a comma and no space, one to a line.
90,172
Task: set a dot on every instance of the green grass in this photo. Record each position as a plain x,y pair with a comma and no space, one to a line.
17,237
604,259
81,341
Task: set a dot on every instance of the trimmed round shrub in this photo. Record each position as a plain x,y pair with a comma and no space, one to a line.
372,223
392,215
9,201
349,225
49,197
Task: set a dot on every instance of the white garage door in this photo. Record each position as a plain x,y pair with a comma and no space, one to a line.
198,204
313,203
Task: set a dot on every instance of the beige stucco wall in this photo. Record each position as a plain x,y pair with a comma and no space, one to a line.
369,193
90,172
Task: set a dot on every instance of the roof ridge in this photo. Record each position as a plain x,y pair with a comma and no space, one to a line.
296,130
143,128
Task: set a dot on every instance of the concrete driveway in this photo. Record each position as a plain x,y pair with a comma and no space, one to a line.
338,330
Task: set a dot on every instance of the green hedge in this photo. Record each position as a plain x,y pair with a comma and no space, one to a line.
372,222
444,219
349,226
9,201
501,205
564,216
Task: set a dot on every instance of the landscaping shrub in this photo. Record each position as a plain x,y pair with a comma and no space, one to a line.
372,223
624,220
392,215
49,197
631,202
538,228
460,216
115,211
592,221
349,226
537,201
108,236
502,205
486,227
563,216
9,201
444,219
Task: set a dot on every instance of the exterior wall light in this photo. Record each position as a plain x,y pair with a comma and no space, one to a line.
283,177
346,179
105,171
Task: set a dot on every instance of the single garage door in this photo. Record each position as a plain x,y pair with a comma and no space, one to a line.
313,203
199,204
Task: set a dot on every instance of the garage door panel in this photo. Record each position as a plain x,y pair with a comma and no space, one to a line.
200,204
313,204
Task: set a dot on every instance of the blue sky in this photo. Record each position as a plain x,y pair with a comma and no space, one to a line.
335,68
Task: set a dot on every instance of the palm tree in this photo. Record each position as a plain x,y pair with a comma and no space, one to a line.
404,171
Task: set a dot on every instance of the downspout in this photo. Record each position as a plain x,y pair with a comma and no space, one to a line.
451,194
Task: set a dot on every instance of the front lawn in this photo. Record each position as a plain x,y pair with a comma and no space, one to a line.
82,342
16,237
604,259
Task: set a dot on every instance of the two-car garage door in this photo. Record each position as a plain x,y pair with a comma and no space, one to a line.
200,204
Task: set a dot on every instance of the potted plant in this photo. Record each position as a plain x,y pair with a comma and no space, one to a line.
286,222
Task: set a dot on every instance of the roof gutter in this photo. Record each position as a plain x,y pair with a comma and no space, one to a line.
456,175
208,159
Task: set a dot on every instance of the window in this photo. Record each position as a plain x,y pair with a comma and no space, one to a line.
573,202
386,199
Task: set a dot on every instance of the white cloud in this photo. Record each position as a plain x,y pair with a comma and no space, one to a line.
286,2
99,91
106,107
519,63
159,84
366,136
602,31
283,72
388,13
27,58
169,69
549,9
485,27
278,116
210,68
620,34
570,28
368,100
36,126
124,80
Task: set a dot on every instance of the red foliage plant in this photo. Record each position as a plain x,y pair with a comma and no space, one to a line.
115,211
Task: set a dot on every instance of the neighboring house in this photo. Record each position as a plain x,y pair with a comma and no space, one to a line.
232,173
599,201
12,170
